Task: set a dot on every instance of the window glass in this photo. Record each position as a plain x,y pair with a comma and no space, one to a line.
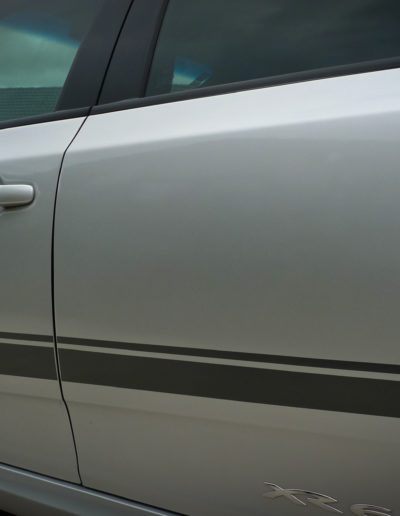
39,41
209,42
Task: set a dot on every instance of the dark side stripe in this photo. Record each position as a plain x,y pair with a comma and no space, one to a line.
26,337
27,361
227,382
237,355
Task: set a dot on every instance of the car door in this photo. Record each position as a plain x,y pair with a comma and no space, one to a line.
227,261
45,47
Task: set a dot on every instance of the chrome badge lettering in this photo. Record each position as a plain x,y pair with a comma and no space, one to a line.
319,500
369,510
305,498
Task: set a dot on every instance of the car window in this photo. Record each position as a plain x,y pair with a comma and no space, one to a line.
39,41
211,42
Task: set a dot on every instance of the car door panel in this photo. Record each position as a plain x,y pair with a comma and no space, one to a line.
225,278
34,432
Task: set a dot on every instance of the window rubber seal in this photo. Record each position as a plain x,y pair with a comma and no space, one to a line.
223,89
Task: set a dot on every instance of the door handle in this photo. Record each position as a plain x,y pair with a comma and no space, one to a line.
12,196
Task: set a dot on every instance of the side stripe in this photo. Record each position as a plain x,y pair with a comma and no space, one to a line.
26,337
237,355
27,361
248,384
227,382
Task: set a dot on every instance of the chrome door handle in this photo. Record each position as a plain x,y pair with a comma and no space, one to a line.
12,196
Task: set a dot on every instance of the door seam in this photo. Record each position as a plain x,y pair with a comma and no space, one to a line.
56,354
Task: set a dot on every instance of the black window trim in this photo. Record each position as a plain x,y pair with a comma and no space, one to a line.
84,82
48,117
129,71
130,66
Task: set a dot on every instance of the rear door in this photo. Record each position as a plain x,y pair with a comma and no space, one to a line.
45,48
227,262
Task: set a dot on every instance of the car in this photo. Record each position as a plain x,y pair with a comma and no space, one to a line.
200,257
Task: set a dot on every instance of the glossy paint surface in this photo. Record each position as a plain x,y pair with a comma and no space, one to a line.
214,220
263,222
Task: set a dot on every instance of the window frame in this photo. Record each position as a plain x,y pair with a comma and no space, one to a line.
85,79
129,71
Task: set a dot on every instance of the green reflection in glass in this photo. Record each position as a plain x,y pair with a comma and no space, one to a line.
34,60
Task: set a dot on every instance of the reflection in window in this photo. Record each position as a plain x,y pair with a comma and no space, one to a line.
210,42
39,42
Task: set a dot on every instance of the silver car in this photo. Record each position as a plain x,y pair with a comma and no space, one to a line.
200,257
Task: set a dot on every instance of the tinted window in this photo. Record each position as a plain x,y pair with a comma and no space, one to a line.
39,41
209,42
